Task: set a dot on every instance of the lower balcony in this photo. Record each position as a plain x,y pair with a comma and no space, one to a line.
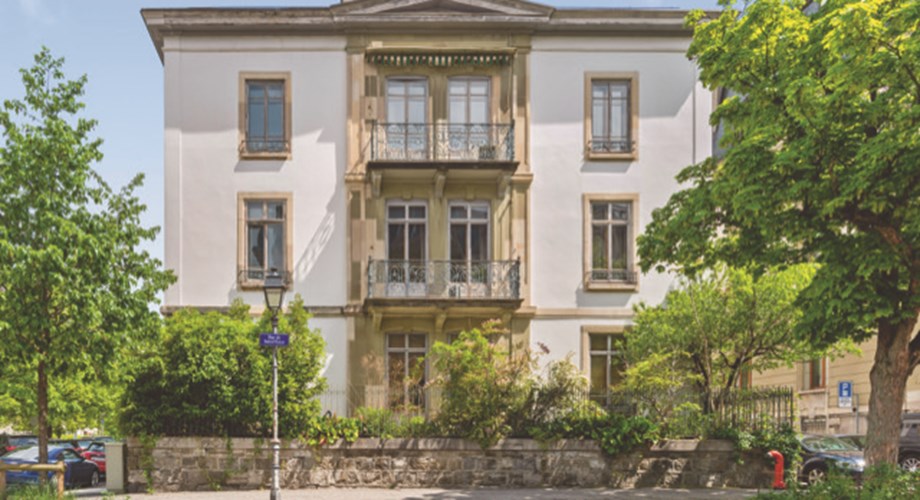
444,280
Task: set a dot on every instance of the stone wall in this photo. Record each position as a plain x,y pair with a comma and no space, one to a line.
189,464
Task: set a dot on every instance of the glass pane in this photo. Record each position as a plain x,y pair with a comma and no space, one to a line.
253,210
417,111
457,242
598,90
598,374
619,90
397,369
256,90
479,87
618,247
396,246
458,212
599,247
479,242
417,368
276,91
397,340
417,340
599,211
256,247
418,88
619,211
276,120
417,212
256,127
276,246
619,118
457,87
479,109
396,110
457,111
396,212
416,241
599,342
396,87
597,121
275,210
616,371
479,213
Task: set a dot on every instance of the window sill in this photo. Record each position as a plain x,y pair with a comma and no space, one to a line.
611,286
594,156
816,390
244,155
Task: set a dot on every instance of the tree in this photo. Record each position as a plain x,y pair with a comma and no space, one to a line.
75,287
722,324
822,165
206,375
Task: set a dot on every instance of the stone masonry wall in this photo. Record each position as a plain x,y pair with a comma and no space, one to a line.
192,464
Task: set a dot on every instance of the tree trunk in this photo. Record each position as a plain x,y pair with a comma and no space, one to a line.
42,418
886,399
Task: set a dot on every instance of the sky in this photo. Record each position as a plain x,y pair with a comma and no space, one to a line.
107,40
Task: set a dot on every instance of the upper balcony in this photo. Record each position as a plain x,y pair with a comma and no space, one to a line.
452,281
457,145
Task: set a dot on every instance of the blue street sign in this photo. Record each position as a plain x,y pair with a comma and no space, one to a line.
274,339
845,389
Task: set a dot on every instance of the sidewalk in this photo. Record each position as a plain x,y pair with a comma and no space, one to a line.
441,494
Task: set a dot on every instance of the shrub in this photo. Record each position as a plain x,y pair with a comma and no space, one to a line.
882,482
324,430
384,423
206,375
613,432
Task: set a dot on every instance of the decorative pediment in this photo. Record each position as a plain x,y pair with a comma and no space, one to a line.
442,7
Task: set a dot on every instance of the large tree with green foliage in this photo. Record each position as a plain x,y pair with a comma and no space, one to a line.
718,325
822,165
75,286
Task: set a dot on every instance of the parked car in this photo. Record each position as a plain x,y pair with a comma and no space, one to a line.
79,472
10,443
909,444
95,452
857,440
822,453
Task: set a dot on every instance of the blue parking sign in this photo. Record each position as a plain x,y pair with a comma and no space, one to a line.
845,389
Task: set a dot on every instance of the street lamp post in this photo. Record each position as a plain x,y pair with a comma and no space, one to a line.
274,296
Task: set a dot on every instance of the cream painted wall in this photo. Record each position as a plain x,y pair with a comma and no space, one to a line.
204,172
673,133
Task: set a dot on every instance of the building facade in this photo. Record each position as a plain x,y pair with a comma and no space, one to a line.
417,167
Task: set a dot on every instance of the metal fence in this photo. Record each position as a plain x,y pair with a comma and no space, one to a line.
442,142
444,279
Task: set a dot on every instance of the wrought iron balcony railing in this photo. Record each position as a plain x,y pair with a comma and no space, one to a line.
613,276
425,142
444,279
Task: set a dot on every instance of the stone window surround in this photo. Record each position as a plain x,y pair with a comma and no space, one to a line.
633,79
244,77
587,247
585,348
241,234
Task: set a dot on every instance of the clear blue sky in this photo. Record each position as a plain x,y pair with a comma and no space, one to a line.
107,40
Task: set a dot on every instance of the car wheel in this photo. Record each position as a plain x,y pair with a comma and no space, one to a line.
910,463
94,479
816,474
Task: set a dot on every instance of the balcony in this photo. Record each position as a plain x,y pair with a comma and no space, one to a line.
444,280
427,144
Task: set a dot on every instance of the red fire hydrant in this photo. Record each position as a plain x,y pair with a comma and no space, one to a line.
778,483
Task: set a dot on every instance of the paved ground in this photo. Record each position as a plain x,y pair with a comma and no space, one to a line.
439,494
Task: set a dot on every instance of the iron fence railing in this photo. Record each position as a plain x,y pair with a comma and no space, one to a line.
258,275
265,146
421,142
613,276
444,279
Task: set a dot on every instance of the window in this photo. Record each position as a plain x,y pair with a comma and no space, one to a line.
611,115
605,365
265,115
610,241
406,369
407,249
265,235
469,247
814,374
468,115
407,117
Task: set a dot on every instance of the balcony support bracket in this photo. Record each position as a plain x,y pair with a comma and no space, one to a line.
440,179
376,182
439,321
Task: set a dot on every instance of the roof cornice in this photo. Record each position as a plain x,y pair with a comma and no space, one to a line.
368,17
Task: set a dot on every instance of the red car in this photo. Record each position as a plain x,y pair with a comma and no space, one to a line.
95,453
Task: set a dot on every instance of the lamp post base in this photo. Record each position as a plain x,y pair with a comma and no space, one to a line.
276,470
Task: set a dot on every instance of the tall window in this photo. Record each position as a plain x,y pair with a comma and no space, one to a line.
610,241
266,241
606,365
407,248
610,115
265,120
468,113
406,369
469,242
407,117
814,374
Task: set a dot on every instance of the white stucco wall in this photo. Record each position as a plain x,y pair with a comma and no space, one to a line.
673,133
204,172
335,333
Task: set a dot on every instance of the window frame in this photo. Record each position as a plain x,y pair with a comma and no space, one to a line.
244,79
406,351
808,371
607,330
243,235
632,78
405,221
632,227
